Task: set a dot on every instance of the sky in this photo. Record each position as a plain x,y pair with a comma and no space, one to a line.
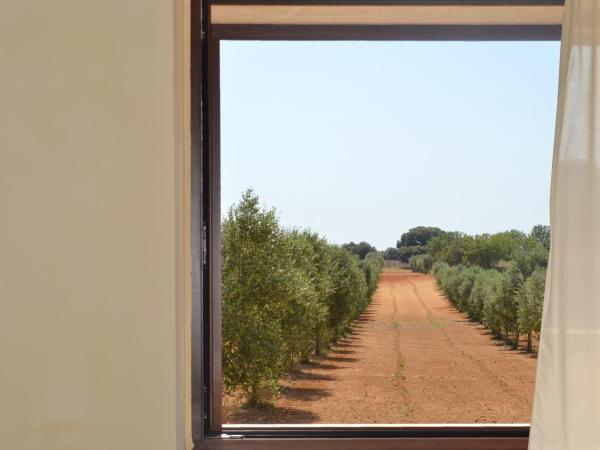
360,141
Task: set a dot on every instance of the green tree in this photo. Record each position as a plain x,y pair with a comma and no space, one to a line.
306,303
508,305
414,242
541,233
376,257
487,250
371,266
392,253
484,288
448,247
350,291
418,236
256,285
361,249
529,256
492,310
408,252
421,263
468,277
438,270
531,304
450,282
320,272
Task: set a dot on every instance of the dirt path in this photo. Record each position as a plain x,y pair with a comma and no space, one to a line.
411,358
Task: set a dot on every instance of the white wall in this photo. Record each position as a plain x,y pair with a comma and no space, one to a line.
91,217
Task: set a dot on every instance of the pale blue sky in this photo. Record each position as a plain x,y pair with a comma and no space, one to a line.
363,140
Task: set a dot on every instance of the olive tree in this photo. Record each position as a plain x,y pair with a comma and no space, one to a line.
421,263
256,284
507,303
349,293
531,304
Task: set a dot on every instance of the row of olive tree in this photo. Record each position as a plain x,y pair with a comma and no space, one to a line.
488,250
421,263
496,279
286,293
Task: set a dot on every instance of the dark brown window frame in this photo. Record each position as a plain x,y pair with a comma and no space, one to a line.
207,432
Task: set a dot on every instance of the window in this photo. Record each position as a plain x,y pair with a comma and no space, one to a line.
431,22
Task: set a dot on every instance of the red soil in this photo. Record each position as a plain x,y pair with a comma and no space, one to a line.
411,358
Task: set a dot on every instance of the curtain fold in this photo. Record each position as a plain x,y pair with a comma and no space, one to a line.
566,407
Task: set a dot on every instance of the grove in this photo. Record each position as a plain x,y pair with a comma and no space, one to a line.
286,294
497,279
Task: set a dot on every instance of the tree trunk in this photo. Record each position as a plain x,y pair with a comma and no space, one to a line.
318,342
517,340
254,395
529,343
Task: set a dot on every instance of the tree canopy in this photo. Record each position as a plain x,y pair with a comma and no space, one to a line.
541,233
418,236
412,243
361,249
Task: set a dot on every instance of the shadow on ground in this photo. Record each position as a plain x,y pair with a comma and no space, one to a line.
272,414
304,394
340,359
299,375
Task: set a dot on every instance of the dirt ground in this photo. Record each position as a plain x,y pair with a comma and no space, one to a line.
411,358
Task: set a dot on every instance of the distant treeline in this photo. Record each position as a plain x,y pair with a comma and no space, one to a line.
497,279
286,294
412,243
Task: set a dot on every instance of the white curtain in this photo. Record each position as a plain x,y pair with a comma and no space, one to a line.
566,408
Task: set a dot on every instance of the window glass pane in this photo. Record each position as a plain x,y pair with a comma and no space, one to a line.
431,157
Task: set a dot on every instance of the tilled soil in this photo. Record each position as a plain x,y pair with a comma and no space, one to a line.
411,358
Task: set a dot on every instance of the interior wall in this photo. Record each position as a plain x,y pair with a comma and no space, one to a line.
93,291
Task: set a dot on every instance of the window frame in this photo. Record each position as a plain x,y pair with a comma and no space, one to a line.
206,387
